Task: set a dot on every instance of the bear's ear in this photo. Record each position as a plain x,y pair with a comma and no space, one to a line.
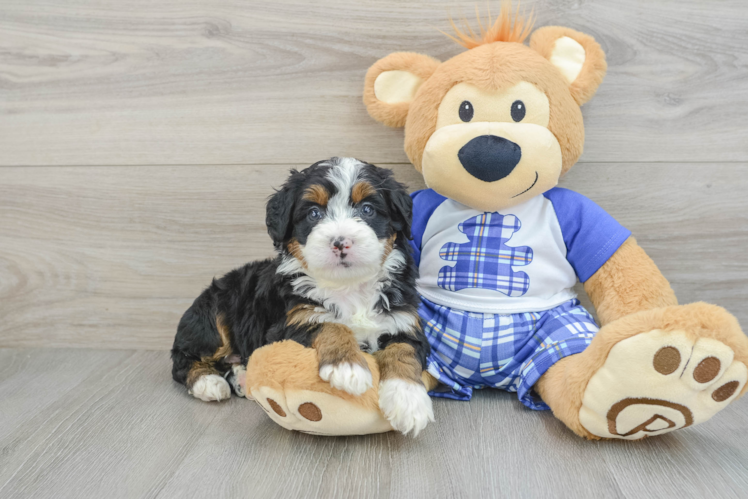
578,56
392,82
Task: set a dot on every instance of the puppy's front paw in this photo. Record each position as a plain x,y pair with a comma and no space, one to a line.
406,405
211,388
349,377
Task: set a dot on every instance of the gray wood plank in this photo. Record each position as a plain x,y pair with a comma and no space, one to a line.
119,433
657,468
475,450
231,81
111,257
33,381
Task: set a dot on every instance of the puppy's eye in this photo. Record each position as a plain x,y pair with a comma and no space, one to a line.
367,210
314,214
518,111
466,111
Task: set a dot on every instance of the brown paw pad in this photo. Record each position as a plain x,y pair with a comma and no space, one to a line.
660,381
310,411
667,360
660,409
707,370
276,408
726,391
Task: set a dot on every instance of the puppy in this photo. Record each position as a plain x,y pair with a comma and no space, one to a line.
343,282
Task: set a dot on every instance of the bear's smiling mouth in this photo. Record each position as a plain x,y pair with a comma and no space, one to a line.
532,186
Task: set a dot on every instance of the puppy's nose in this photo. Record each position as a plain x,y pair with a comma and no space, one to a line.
341,243
489,157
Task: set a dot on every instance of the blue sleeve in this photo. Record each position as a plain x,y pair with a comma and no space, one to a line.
591,235
425,202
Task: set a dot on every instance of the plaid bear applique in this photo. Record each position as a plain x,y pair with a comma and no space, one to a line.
486,261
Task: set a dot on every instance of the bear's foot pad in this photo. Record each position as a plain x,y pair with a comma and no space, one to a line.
658,382
318,413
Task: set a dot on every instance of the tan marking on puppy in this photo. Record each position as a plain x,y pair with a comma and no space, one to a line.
317,194
389,245
336,344
399,361
225,333
198,369
206,365
300,314
294,248
429,381
361,191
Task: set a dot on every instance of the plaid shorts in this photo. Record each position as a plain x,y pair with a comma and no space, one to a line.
506,351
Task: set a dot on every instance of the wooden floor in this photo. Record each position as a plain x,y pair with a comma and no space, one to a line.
139,141
95,423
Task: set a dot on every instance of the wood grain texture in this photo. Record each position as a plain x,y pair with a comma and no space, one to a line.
111,257
105,82
126,430
34,381
204,106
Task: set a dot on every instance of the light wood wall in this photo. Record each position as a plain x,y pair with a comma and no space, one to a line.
139,141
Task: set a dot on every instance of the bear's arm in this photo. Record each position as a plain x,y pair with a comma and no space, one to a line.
627,283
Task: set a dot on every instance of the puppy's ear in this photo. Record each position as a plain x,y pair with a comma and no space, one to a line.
391,84
578,56
399,204
279,210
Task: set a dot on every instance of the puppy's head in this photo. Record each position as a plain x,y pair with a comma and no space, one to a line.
339,219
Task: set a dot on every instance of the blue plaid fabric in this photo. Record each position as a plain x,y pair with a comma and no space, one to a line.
506,351
486,261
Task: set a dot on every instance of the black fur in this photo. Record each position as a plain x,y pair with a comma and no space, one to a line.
253,300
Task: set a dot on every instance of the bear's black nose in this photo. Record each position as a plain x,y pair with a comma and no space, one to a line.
489,157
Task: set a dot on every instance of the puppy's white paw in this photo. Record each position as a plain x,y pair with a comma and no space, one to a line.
211,388
351,378
406,405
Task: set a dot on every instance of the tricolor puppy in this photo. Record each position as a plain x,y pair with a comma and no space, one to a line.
343,282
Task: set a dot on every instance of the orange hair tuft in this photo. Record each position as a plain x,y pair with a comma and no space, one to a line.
506,28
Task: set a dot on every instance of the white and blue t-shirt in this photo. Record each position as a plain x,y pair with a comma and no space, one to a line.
523,259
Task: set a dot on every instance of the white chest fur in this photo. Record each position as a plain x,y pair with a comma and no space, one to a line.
356,308
362,307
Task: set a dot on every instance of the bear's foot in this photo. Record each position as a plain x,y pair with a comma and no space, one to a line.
649,373
658,382
283,378
318,413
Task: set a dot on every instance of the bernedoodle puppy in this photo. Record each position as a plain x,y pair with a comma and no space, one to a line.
342,282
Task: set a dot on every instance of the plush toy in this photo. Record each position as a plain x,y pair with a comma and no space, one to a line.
499,248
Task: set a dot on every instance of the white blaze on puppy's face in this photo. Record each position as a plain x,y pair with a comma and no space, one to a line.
342,247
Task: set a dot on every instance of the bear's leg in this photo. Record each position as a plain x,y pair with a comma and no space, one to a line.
284,380
650,373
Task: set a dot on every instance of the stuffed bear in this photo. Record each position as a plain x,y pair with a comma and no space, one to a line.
500,247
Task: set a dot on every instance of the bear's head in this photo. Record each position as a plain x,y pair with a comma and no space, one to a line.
497,124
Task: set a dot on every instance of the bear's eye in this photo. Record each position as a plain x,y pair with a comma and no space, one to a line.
518,111
466,111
